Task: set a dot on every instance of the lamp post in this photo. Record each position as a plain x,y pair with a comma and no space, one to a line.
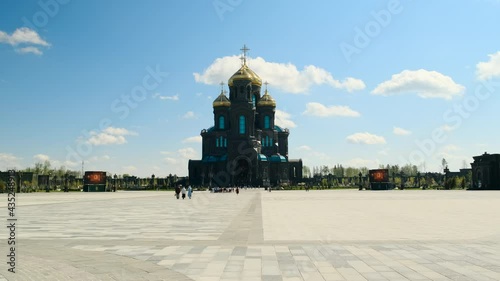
20,182
402,180
153,181
360,184
114,183
47,189
66,189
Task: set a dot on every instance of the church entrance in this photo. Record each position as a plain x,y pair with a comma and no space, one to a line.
242,173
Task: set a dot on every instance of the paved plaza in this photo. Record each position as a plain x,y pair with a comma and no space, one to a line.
256,235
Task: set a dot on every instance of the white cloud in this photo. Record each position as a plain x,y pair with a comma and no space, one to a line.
99,158
360,163
453,155
451,148
283,119
174,97
195,139
176,161
9,161
447,128
187,153
320,110
170,160
106,139
426,84
70,164
189,115
110,135
365,138
41,158
304,148
130,169
384,152
489,69
311,156
31,49
284,76
22,35
118,131
401,132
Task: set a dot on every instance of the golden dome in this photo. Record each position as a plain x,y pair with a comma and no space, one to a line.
266,100
245,73
221,100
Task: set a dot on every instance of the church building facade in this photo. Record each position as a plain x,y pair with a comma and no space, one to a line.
244,147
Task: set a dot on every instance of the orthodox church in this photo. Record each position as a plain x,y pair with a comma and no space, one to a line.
244,147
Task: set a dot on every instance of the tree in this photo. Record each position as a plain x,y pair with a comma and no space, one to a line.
444,163
46,167
324,170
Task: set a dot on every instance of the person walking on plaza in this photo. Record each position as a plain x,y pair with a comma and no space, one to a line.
237,190
177,191
183,192
190,192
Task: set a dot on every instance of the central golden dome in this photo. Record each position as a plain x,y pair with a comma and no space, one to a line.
245,73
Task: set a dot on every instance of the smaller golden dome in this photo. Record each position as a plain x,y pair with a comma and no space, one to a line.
266,100
245,73
221,100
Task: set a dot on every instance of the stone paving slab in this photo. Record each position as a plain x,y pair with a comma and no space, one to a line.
257,235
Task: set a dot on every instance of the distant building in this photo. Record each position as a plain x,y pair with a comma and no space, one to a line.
245,146
486,171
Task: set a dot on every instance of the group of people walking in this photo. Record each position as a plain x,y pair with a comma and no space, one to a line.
182,190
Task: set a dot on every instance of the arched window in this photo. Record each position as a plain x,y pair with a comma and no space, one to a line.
221,123
266,142
242,124
225,142
253,100
267,122
217,142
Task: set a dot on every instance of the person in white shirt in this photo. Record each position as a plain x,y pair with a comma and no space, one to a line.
183,191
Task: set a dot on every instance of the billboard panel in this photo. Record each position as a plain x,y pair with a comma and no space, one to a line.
379,175
93,177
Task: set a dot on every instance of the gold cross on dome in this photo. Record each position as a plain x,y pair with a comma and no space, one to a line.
266,83
244,50
221,86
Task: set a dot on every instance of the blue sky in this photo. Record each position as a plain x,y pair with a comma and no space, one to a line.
127,86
